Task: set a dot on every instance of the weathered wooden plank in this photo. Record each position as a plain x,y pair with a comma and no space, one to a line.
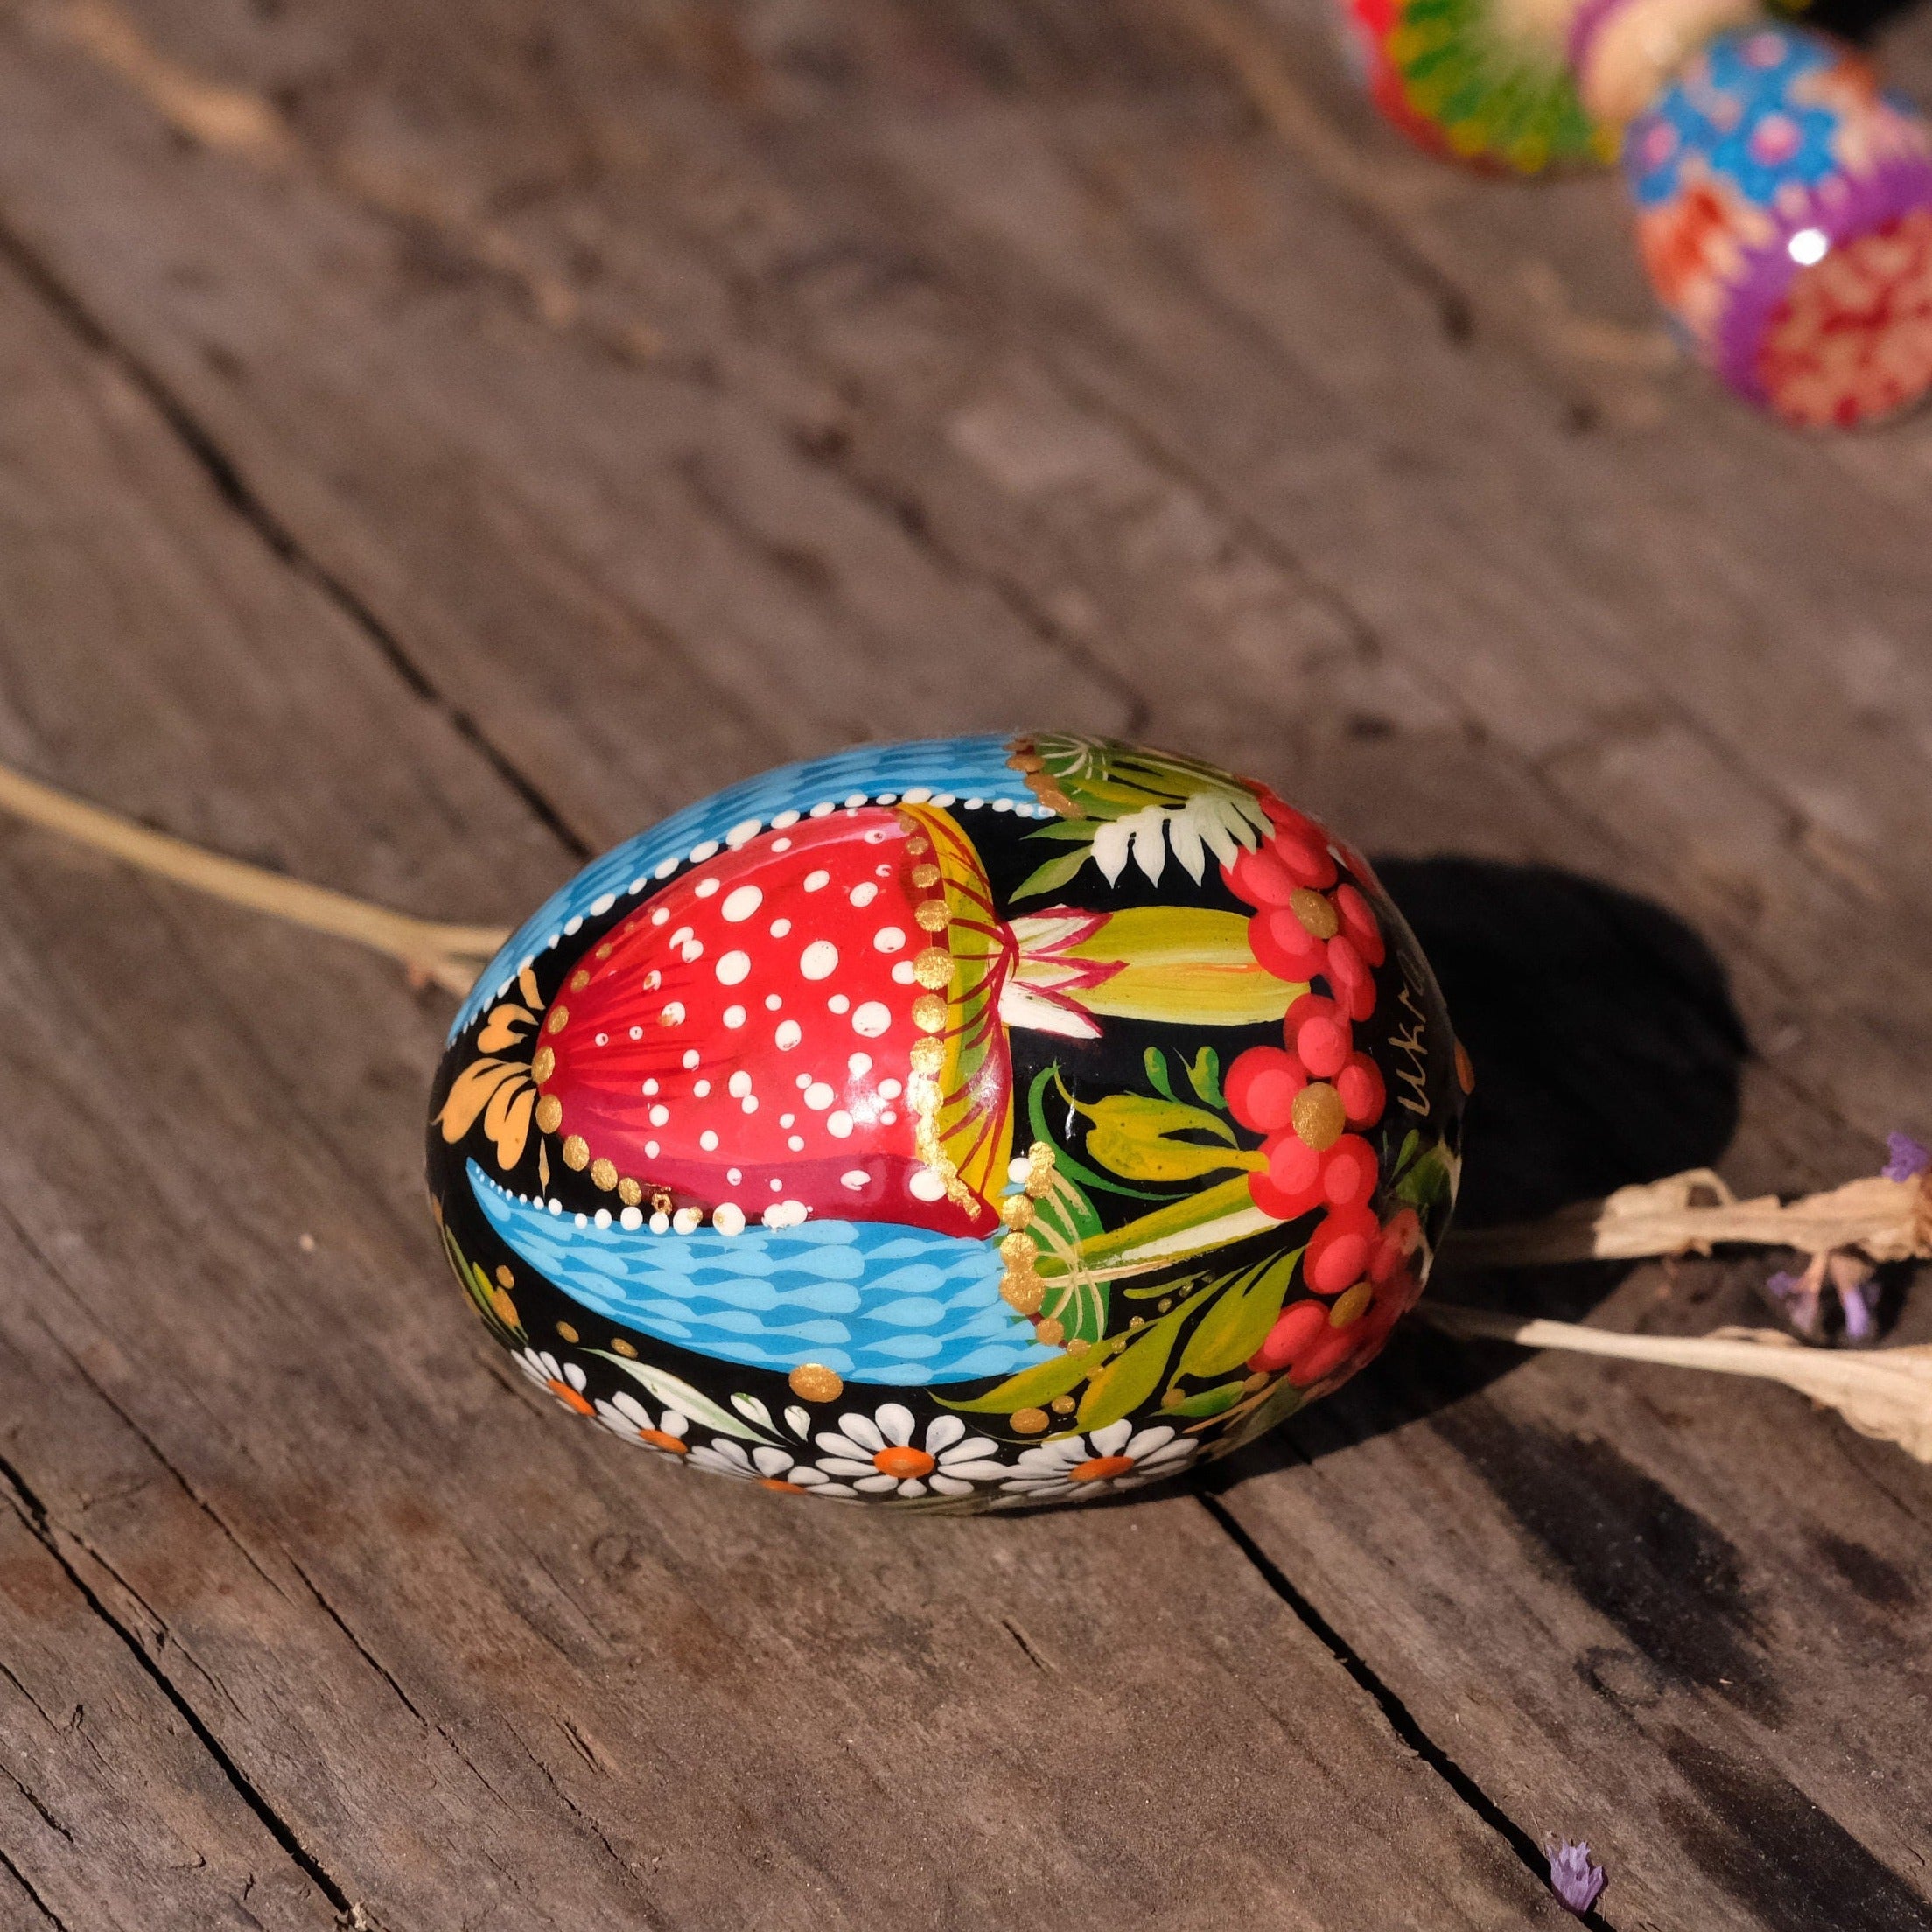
1149,431
112,1813
483,1667
1460,570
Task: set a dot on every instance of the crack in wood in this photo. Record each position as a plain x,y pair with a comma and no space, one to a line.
35,1515
1400,1719
26,1884
232,487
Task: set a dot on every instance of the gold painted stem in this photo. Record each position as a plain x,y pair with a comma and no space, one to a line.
450,956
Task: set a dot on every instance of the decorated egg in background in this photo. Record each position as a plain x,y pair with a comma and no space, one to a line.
976,1123
1784,211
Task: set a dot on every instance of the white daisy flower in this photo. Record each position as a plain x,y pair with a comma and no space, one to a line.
877,1456
564,1380
624,1415
766,1465
1118,1457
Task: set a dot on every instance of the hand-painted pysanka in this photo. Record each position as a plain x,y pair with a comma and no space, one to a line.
971,1123
1784,204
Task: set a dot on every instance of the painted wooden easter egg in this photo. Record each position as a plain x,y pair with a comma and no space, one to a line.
976,1123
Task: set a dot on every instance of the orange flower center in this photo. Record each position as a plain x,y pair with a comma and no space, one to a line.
895,1462
1098,1468
569,1398
658,1439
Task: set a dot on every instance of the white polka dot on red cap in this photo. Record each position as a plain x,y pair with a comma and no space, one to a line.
819,960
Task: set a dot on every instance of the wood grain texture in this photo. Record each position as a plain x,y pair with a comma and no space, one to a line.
438,452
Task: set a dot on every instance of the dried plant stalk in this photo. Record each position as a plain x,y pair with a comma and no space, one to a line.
1884,1220
450,956
1885,1393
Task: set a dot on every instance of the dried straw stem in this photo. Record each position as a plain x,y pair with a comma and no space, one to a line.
1885,1393
449,956
1883,1219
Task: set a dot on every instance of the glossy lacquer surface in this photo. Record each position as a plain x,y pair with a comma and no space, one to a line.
975,1123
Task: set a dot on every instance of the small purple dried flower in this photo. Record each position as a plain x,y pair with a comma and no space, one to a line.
1861,1318
1800,1297
1909,1158
1575,1877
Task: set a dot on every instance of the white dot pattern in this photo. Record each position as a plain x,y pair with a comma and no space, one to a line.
696,1025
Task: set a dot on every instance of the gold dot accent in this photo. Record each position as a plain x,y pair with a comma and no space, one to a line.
628,1191
504,1308
1318,919
1029,1421
1052,1333
549,1113
604,1172
1139,1321
580,979
559,1020
1039,1167
577,1153
1063,1405
1018,1250
925,875
1078,1346
1023,1294
505,1278
1016,1211
661,1200
1349,1306
1465,1071
933,915
568,1333
933,968
623,1348
928,1056
1318,1116
929,1013
812,1381
918,845
543,1066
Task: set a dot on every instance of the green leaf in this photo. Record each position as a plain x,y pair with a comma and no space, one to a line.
1206,1402
1156,1064
1238,1322
1031,1388
1204,1076
1069,830
1280,1403
682,1397
1133,1375
1139,1136
1427,1182
1064,1162
1051,876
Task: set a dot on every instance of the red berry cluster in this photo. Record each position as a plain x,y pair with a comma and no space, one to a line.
1312,1096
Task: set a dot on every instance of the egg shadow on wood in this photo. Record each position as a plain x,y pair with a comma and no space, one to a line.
1606,1050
